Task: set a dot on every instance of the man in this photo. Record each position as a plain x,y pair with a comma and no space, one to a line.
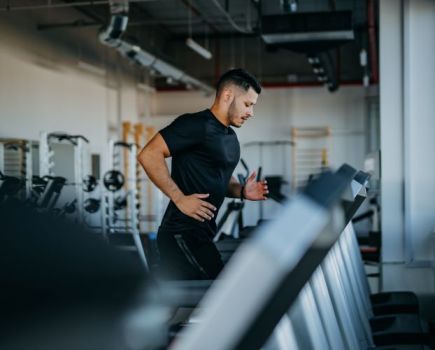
205,151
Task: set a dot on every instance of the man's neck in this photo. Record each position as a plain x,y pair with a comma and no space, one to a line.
220,114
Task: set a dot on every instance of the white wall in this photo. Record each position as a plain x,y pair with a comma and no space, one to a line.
43,89
278,110
35,99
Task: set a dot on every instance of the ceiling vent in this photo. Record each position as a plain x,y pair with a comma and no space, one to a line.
308,32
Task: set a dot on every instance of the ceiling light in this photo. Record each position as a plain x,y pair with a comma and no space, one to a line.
292,78
313,60
170,81
366,80
321,78
200,50
363,58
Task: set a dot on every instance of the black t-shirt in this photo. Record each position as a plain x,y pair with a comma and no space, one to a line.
204,155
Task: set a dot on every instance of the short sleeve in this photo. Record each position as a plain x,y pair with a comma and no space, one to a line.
183,133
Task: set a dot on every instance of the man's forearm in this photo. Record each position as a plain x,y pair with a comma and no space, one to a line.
158,172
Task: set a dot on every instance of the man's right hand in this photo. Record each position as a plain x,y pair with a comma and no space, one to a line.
195,207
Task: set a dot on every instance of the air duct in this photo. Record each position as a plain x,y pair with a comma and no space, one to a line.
118,23
312,33
308,32
111,36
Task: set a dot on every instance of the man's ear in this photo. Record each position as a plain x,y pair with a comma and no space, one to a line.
227,94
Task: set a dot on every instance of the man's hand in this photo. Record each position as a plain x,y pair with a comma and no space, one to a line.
255,190
195,207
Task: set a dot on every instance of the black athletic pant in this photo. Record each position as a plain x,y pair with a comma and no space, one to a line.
186,255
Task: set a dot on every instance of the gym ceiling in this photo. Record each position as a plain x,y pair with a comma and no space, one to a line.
230,29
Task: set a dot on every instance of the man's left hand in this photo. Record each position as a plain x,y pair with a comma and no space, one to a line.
255,190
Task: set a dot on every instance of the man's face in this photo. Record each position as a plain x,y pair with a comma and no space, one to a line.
242,107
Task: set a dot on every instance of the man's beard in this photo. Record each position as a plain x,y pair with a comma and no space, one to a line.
232,113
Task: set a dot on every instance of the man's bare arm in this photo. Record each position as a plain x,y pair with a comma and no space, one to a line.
152,158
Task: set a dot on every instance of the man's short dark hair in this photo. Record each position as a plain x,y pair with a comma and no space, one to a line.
240,78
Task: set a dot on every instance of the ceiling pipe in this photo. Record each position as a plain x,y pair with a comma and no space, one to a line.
230,20
111,36
372,41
